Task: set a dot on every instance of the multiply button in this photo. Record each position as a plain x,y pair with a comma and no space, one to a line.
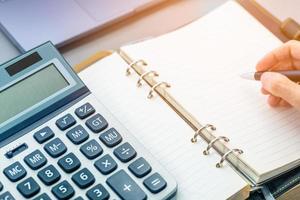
15,172
111,137
106,164
125,152
65,122
125,186
96,123
35,160
55,148
155,183
84,111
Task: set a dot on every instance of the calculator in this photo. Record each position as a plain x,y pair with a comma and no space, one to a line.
57,141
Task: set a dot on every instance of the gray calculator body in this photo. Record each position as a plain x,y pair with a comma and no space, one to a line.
40,92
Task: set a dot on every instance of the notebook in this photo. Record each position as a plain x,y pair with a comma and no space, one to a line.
212,130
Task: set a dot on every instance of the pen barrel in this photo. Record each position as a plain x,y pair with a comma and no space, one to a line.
292,75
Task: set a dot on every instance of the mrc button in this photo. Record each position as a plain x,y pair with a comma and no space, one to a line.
15,172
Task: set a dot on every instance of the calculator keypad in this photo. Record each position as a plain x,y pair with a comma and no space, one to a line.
106,152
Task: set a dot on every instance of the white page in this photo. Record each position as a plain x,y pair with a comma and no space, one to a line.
203,61
161,130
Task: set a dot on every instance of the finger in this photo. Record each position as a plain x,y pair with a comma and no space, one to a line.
280,86
273,101
264,91
288,55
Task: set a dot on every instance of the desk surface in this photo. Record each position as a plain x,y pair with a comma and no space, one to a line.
152,22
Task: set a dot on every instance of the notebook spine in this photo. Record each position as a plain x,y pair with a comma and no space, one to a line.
205,132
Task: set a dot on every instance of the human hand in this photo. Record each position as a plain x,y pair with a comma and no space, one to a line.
281,90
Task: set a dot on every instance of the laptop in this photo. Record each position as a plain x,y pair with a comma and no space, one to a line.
32,22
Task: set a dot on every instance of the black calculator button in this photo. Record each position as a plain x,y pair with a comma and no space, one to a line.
49,175
85,111
125,152
55,148
78,135
96,123
63,191
83,178
43,196
28,188
98,192
15,172
91,149
78,198
125,186
155,183
1,186
35,160
69,163
140,167
6,196
111,137
43,135
65,122
106,164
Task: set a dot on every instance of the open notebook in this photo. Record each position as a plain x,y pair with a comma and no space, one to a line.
202,62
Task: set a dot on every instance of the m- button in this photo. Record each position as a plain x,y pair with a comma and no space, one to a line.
97,123
55,148
15,172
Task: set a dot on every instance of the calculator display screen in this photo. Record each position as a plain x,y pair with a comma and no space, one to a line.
30,91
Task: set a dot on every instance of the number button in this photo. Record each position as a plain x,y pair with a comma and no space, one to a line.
15,172
91,149
28,188
78,135
155,183
78,198
97,193
69,163
63,190
106,164
6,196
84,178
125,152
55,148
35,160
125,186
43,135
97,123
43,196
111,137
49,175
140,167
84,111
65,122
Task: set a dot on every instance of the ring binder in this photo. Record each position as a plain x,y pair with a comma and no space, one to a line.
220,164
141,61
153,73
197,133
165,84
206,151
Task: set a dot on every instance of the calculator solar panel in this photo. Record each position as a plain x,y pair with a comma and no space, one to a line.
77,150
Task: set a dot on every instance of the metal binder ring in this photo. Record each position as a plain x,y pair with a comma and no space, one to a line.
197,133
152,73
206,151
142,62
153,89
220,164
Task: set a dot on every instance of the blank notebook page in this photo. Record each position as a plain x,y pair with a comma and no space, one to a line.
203,62
161,131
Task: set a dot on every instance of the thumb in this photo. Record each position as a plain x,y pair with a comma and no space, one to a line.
280,86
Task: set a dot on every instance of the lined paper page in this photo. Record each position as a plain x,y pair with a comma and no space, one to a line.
203,62
158,128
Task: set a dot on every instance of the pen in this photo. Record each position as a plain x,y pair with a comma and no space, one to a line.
293,75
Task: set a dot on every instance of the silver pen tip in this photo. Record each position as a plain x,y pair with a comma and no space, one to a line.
249,76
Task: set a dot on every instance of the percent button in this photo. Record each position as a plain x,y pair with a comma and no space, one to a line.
91,149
